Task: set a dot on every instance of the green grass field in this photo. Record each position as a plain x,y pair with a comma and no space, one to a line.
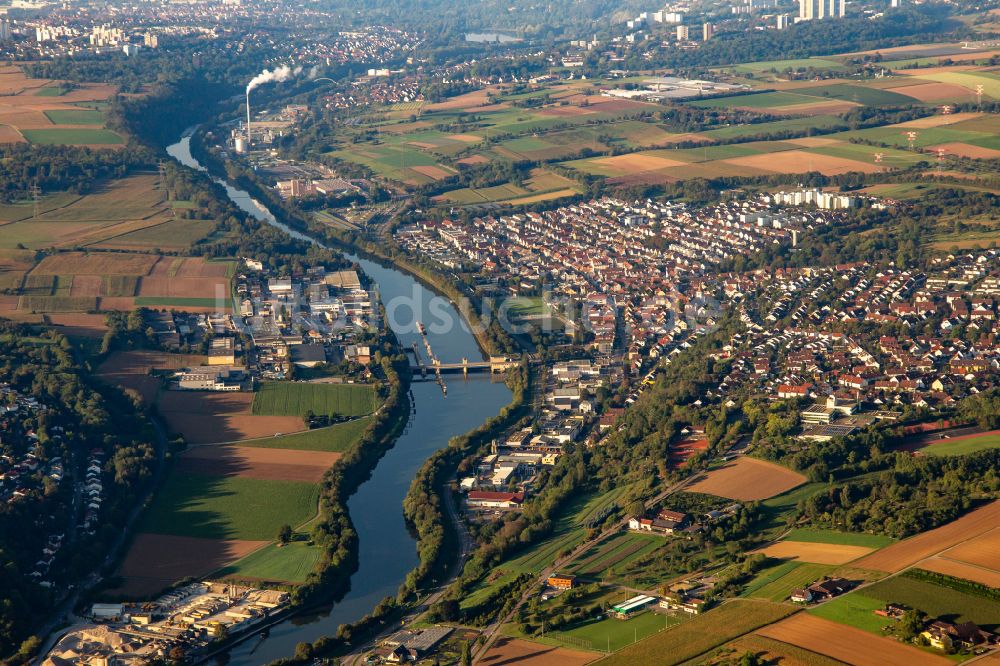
700,634
288,564
781,588
337,438
756,101
612,635
856,609
72,117
811,535
234,507
857,94
735,131
990,83
295,399
961,446
525,306
72,137
179,302
938,601
51,91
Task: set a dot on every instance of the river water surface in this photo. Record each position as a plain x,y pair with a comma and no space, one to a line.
387,549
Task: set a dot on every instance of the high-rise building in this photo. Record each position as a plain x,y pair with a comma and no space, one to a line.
707,31
817,9
782,21
683,33
4,30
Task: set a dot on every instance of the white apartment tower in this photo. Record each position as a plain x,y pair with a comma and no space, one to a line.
818,9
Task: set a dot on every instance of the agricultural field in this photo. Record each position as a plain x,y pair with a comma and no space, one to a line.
46,112
291,563
770,651
975,560
211,418
156,561
937,600
256,463
288,399
604,560
847,644
748,479
816,553
228,507
134,370
776,583
811,535
959,446
908,552
700,634
336,438
610,634
526,653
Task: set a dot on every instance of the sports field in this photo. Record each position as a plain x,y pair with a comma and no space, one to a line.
296,399
232,507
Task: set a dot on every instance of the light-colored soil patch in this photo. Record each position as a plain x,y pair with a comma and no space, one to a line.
847,644
948,567
748,479
636,162
258,463
908,552
437,173
799,161
8,303
967,150
817,109
466,138
814,141
940,120
817,553
546,196
473,160
156,561
933,92
472,99
211,418
10,134
515,652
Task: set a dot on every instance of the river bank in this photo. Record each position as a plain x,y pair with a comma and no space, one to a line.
386,551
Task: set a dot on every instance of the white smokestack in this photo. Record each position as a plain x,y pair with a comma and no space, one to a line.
276,75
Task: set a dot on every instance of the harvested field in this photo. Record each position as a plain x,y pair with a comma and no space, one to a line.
949,567
908,552
95,263
184,287
817,109
212,418
934,92
777,653
473,160
847,644
8,303
817,553
156,561
968,150
512,651
637,162
800,161
257,463
83,325
475,98
141,362
941,120
9,134
814,141
437,173
748,479
981,551
87,285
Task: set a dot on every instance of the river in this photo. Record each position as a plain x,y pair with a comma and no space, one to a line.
387,549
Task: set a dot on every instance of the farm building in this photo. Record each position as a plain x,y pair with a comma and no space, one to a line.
630,607
562,581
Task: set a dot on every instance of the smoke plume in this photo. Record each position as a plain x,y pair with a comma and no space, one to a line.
276,75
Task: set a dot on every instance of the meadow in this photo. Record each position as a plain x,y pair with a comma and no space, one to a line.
336,438
290,563
296,399
73,137
216,507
